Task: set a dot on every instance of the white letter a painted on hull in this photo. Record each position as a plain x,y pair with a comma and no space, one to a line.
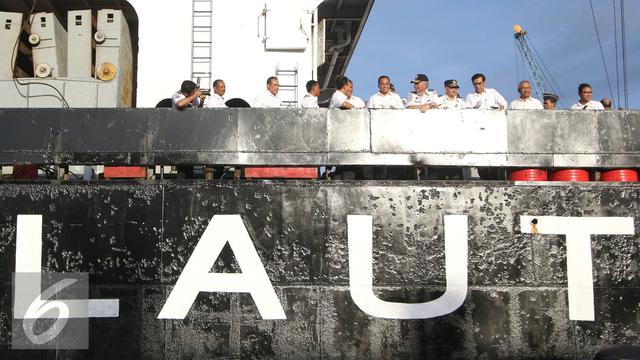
196,276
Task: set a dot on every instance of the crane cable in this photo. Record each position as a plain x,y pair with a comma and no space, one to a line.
539,90
519,68
615,35
554,87
595,24
515,57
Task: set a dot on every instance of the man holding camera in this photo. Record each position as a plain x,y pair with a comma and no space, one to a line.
189,96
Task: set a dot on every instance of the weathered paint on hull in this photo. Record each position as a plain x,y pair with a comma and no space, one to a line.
135,239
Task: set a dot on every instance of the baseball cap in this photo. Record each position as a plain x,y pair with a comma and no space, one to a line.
451,83
420,78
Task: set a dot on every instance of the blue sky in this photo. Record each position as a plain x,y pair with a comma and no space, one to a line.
455,39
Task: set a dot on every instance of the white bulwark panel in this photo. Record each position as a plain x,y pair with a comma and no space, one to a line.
439,131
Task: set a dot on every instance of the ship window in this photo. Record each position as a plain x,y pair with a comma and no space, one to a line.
7,25
78,20
110,17
43,21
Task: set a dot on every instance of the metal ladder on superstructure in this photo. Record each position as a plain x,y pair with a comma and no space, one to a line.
201,43
288,79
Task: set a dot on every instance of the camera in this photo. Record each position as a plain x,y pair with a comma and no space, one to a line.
203,91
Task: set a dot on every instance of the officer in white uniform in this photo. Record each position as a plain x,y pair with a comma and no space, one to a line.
525,101
586,103
550,101
310,99
344,87
422,97
216,100
385,99
269,98
484,98
450,100
355,101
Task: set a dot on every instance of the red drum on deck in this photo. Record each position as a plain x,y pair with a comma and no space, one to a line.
25,172
125,172
528,175
625,175
570,175
266,172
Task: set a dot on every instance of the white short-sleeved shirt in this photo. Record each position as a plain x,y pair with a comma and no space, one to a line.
446,103
356,102
214,101
337,99
309,102
389,101
591,105
179,96
267,100
487,100
526,104
429,96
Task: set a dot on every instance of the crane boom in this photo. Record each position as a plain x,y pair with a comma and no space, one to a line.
527,55
542,81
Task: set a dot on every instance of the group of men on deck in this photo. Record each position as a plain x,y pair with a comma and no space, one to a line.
421,97
483,98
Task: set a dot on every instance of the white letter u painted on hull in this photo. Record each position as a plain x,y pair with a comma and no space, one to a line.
360,234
